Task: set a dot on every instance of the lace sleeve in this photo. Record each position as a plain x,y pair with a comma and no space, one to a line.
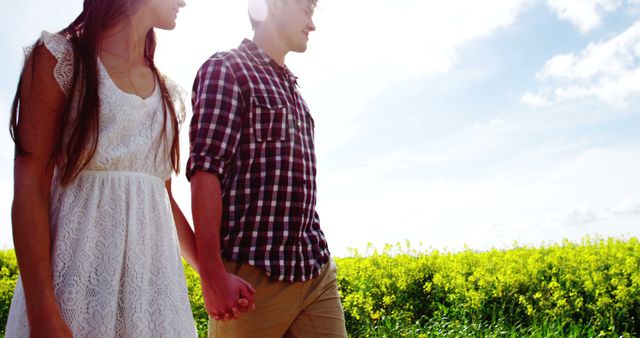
61,49
178,95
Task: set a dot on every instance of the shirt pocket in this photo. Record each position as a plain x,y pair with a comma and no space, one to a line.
269,119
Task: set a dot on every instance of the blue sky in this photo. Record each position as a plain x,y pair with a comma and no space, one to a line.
466,122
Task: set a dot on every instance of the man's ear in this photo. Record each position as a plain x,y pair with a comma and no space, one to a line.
274,6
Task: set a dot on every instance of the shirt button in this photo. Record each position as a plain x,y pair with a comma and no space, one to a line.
299,124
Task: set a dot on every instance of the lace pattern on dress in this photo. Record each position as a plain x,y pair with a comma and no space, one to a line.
61,49
178,95
115,258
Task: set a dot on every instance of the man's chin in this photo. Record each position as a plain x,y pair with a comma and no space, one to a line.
300,49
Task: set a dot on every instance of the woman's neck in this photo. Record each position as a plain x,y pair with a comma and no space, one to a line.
126,41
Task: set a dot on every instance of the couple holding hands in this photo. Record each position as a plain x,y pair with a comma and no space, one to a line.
97,233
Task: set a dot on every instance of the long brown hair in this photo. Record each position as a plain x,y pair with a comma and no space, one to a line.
72,154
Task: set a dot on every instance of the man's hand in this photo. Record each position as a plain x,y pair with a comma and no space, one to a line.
228,297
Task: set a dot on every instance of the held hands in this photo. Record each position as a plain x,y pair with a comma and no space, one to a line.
228,298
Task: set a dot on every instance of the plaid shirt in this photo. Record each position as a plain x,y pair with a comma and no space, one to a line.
252,129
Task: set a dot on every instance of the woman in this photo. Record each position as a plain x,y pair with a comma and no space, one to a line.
96,134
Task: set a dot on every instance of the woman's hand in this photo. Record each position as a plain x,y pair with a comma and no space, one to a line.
228,297
51,325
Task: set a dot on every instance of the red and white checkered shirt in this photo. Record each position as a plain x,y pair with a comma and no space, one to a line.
252,129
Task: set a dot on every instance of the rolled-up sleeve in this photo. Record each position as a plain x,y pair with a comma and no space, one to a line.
216,125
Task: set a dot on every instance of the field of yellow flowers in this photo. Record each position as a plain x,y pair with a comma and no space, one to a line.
570,289
585,289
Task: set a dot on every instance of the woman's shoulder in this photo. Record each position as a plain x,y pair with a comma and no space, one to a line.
57,47
57,44
178,96
54,38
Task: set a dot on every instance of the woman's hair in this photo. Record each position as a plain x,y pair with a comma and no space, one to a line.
73,153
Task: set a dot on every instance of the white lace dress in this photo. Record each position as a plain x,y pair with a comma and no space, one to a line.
116,264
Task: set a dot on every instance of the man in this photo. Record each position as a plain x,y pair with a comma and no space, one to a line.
264,264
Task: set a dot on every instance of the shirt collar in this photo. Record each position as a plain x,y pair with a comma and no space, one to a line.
256,53
261,57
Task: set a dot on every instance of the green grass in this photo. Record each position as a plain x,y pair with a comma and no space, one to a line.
445,327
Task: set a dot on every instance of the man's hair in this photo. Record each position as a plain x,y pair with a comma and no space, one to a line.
255,23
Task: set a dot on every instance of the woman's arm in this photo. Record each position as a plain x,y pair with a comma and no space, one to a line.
186,236
42,104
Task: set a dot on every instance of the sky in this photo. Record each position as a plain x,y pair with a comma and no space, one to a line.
448,124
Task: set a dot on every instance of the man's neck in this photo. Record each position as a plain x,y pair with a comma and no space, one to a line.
268,42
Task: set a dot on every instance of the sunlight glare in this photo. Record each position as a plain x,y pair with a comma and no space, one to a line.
258,9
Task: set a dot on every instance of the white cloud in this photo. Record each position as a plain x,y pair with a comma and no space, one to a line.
634,8
612,57
603,216
584,14
626,207
581,216
413,36
535,99
606,70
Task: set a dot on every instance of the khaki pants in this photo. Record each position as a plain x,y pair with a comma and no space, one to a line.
303,309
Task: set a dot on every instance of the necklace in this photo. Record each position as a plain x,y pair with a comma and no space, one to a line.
122,71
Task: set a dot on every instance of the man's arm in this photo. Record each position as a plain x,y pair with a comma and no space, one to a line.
214,135
226,296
